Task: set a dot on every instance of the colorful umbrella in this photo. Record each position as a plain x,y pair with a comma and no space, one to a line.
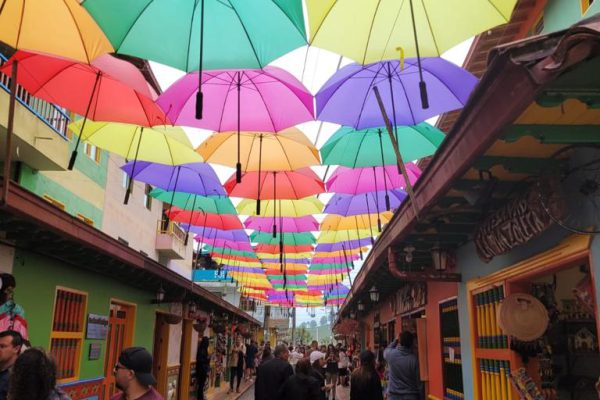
227,244
340,236
267,100
235,235
333,222
370,179
284,208
274,249
59,27
224,222
355,148
307,223
292,239
340,246
195,178
365,203
296,256
194,202
98,96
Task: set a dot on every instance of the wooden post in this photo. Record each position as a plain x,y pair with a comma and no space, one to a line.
9,132
388,126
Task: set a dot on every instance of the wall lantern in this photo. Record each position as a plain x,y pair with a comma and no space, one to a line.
160,294
360,306
374,294
192,308
441,258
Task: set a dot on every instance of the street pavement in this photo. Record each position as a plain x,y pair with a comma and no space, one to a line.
343,393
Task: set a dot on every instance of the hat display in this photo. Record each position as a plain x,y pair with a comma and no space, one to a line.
139,360
316,355
522,316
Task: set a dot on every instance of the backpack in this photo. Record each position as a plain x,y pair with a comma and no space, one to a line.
11,319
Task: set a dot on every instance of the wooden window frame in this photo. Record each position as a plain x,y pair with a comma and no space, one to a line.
92,151
79,336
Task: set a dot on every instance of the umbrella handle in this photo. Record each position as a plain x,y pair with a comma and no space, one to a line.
128,191
387,201
199,104
424,96
72,159
257,206
200,95
187,235
238,172
378,223
274,230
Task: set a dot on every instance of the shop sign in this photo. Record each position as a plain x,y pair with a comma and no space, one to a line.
514,224
97,326
410,297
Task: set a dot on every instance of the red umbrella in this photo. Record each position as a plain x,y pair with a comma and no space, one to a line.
84,89
275,249
271,185
224,222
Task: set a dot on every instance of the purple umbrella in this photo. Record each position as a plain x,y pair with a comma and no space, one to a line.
237,235
290,224
338,259
347,245
347,98
267,100
287,260
370,179
196,178
224,243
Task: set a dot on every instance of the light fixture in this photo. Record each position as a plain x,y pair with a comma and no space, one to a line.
409,253
160,294
192,308
374,294
360,306
311,312
441,258
352,315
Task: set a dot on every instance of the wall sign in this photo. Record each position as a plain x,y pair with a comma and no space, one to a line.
411,296
97,326
95,350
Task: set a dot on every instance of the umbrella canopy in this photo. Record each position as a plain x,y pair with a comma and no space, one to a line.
338,253
366,203
235,235
226,250
287,150
97,96
269,100
276,185
227,245
338,259
293,239
370,179
333,222
339,236
373,29
307,223
347,98
288,268
357,148
159,144
194,202
296,256
237,34
59,27
274,249
217,221
340,246
284,208
194,178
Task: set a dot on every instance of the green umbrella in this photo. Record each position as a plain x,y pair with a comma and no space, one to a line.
193,202
357,148
289,238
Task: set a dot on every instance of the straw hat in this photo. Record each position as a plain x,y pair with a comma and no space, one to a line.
522,316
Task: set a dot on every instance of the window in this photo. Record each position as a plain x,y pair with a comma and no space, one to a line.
585,5
54,202
85,219
92,151
147,197
125,182
66,338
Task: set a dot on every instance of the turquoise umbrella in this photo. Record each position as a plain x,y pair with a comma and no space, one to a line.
290,238
193,202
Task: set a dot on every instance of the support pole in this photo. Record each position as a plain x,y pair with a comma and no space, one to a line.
9,131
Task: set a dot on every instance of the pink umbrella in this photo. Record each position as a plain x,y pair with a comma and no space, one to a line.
339,259
300,224
267,100
370,179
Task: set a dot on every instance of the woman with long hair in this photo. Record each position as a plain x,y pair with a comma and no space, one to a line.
331,370
365,382
202,366
33,377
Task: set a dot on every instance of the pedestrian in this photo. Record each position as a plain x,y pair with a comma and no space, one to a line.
318,362
10,347
295,356
343,365
314,346
12,315
202,366
236,364
301,385
251,351
365,383
133,375
331,369
404,380
33,377
266,355
272,374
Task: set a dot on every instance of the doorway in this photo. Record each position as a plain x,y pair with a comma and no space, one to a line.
160,352
121,321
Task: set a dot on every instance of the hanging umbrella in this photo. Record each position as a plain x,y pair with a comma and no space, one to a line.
194,178
58,27
224,222
287,256
333,222
194,202
245,247
98,96
159,144
293,239
338,253
340,259
268,248
235,235
287,260
307,223
370,179
285,208
267,100
227,250
340,246
355,148
292,268
339,236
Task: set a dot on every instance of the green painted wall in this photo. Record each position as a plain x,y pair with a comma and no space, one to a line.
37,278
93,170
560,14
40,184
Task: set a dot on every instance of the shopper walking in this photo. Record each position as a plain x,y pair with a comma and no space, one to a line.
202,366
133,375
331,370
365,382
236,364
343,365
318,363
251,351
404,382
301,386
271,375
33,377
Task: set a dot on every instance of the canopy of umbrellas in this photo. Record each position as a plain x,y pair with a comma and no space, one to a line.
64,55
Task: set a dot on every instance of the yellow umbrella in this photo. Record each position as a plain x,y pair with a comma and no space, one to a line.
339,253
287,150
236,263
285,208
59,27
334,222
287,255
288,267
341,236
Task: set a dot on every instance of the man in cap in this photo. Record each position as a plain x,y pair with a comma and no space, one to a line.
271,375
133,375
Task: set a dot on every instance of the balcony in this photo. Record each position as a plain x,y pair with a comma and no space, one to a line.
40,129
170,240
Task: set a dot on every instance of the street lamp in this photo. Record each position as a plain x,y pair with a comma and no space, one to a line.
441,258
374,294
160,294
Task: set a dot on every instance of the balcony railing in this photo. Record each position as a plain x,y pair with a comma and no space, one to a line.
55,117
171,228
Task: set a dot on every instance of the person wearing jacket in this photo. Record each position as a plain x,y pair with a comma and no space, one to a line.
236,364
364,382
301,386
202,366
271,375
318,362
404,381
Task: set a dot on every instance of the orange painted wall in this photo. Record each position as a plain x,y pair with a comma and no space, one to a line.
436,292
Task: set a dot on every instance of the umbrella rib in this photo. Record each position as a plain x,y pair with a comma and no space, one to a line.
247,34
187,54
498,11
323,22
387,42
250,152
225,103
370,31
87,56
284,152
362,108
169,148
437,49
362,139
406,97
137,18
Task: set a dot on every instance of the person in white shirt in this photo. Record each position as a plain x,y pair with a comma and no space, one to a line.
343,364
295,356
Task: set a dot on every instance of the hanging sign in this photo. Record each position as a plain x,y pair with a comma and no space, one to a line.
97,326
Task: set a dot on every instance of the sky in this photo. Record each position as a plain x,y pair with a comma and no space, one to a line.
312,66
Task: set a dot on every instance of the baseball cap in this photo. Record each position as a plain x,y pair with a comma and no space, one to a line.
139,361
316,355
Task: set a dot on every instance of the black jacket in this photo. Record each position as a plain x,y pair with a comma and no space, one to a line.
320,377
366,389
270,378
301,387
202,362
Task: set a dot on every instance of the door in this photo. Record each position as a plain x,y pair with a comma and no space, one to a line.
120,335
160,353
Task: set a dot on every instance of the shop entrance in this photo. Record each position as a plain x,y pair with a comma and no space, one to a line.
120,335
